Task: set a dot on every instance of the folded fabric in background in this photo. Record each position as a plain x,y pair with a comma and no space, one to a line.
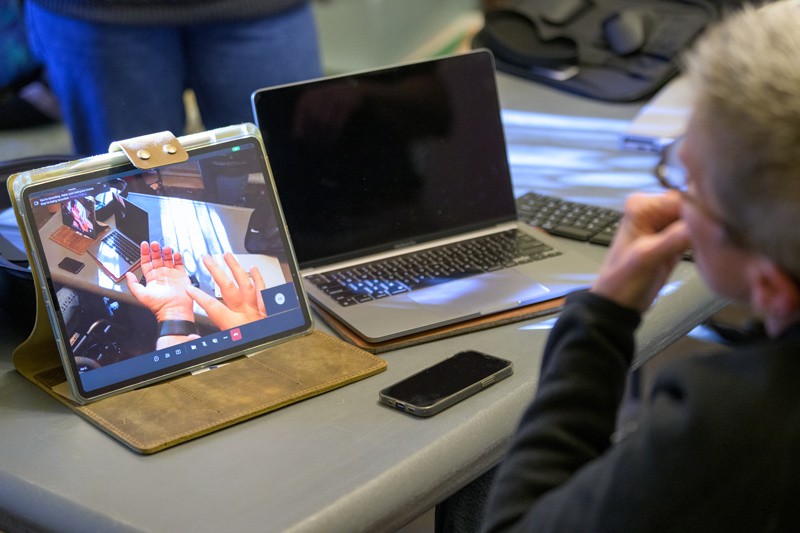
611,50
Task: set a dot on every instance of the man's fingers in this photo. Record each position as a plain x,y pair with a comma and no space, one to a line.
133,285
210,305
155,255
258,281
177,257
241,277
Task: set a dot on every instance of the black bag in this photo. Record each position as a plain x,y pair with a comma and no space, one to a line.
611,50
17,297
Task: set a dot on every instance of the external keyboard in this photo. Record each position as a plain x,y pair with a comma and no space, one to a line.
415,270
573,220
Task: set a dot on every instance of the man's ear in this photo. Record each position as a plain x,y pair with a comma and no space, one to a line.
773,291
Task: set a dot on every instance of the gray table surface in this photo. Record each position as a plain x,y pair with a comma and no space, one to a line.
339,461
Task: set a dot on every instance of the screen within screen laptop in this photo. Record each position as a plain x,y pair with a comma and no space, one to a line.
369,161
216,279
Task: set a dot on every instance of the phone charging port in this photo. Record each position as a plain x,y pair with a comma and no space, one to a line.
400,406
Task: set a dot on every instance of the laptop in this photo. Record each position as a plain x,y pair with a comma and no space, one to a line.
109,338
382,164
117,251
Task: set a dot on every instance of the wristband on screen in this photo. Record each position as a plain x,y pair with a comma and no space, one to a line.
177,327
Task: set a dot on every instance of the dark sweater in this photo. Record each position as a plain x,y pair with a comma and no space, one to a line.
161,12
717,447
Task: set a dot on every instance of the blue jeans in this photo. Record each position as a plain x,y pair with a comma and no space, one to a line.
16,62
116,82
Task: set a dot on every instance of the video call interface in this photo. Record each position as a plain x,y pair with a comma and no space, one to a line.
207,222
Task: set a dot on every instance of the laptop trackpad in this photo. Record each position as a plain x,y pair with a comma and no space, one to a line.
485,293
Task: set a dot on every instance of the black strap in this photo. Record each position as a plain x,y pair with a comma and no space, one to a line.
177,327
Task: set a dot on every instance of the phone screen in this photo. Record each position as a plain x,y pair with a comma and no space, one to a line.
445,383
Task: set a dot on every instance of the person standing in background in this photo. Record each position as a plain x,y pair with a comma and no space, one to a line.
25,99
120,67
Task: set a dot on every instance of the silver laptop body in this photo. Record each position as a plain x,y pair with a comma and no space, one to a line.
392,161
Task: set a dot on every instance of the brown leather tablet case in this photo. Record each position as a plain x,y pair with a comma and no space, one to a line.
159,416
162,415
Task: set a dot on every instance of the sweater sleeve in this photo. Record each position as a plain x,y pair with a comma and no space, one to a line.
714,448
573,415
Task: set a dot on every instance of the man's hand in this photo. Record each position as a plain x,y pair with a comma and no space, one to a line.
648,244
166,280
241,296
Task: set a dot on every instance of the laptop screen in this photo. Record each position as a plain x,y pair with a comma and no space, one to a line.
215,279
132,221
376,160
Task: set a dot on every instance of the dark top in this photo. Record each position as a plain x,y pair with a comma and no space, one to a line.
160,12
715,449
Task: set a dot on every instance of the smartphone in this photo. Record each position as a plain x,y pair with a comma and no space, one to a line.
437,387
71,265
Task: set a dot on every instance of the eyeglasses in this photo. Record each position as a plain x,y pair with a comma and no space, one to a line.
670,171
672,175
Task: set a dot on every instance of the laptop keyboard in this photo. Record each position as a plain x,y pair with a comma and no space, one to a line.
379,279
123,246
573,220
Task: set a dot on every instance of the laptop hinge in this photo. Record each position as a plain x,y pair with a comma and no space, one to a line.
151,151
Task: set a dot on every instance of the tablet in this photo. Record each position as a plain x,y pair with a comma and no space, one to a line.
148,274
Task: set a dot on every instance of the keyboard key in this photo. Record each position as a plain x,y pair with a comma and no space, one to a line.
573,232
606,235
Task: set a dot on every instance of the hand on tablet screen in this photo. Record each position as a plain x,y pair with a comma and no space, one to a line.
169,294
166,280
164,290
241,296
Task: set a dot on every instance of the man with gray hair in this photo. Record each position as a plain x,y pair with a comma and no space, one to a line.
715,447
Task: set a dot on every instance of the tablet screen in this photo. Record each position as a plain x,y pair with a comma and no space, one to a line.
184,266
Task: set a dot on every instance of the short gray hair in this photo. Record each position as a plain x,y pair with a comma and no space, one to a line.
745,72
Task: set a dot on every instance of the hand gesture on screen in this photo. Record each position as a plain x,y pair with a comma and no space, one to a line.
241,296
166,280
